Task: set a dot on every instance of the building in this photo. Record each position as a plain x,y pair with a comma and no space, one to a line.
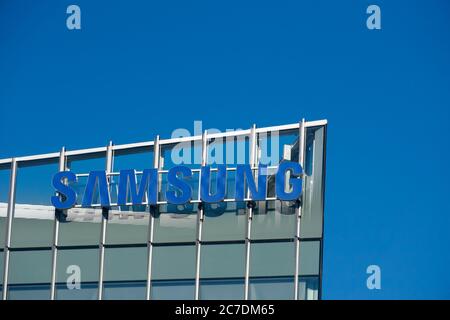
268,249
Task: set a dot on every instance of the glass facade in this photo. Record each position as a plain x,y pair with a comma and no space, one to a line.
225,250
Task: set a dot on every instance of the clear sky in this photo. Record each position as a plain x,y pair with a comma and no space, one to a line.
140,68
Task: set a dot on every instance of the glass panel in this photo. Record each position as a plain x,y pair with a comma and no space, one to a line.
309,257
4,192
223,289
29,292
274,220
272,259
32,225
222,260
125,290
274,147
2,259
175,223
173,262
27,267
86,291
271,288
75,267
125,264
225,221
308,288
312,215
127,226
81,226
173,290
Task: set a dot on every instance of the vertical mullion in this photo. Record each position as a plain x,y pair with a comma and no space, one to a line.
105,213
301,160
62,167
200,217
152,208
10,213
250,205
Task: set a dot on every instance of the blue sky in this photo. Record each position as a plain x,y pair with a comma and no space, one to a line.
140,68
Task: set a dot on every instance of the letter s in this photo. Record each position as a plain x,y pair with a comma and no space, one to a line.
69,196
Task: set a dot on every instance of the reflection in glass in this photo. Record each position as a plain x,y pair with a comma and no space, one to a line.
175,223
32,225
308,288
312,214
274,220
271,288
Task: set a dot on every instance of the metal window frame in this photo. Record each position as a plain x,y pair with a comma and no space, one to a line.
157,143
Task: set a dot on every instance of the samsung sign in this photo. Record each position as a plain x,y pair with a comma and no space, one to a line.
148,186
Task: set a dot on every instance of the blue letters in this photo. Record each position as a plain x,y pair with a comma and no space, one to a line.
179,190
68,195
221,180
148,182
103,188
244,173
280,181
186,192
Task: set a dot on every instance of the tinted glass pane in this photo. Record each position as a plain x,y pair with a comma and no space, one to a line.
223,289
86,291
80,226
225,221
222,260
271,288
272,259
173,290
27,267
309,257
29,292
125,290
34,214
312,215
274,220
128,226
4,191
77,264
308,288
175,223
124,264
173,262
